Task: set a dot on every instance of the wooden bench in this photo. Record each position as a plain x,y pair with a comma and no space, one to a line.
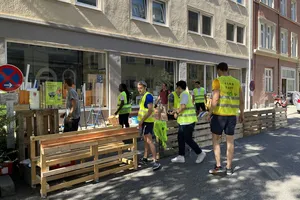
93,151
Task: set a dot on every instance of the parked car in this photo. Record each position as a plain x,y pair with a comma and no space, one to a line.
298,106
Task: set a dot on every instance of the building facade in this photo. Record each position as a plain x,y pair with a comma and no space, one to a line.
125,41
276,30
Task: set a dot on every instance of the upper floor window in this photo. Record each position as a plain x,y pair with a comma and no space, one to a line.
159,12
200,23
283,7
267,34
235,33
284,41
92,3
239,1
294,10
294,45
139,9
268,2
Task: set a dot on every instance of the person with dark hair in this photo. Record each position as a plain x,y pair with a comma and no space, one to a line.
173,104
146,123
227,100
199,98
124,108
163,99
72,119
186,118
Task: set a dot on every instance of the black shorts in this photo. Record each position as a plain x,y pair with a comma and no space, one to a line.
200,105
147,128
218,124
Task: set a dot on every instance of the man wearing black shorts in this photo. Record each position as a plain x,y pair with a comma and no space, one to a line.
227,101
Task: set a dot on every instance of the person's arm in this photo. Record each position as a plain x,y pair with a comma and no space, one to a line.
242,106
171,101
214,101
205,98
120,107
74,104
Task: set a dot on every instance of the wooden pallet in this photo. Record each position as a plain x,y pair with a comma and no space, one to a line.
34,123
91,149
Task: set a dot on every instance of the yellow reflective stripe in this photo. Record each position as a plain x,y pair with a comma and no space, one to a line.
230,98
228,105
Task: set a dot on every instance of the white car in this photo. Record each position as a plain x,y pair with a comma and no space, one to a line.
298,106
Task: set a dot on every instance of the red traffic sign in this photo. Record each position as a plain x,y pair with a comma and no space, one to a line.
11,78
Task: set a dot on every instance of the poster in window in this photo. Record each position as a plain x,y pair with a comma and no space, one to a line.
53,93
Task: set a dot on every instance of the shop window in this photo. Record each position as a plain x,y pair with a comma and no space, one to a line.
130,60
159,12
139,9
149,62
56,64
195,73
154,76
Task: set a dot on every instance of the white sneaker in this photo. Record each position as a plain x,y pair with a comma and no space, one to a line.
201,157
178,159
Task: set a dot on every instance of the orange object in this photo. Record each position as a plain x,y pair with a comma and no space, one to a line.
113,120
88,99
27,93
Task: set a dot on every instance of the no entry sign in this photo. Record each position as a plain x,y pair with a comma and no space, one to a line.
11,78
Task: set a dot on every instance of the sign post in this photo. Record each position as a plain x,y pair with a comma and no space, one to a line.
11,79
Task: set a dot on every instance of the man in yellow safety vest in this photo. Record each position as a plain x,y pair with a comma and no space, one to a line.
226,102
173,104
146,123
186,118
199,98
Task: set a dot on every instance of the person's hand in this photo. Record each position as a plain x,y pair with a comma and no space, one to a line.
208,117
175,115
155,106
141,124
241,118
63,115
116,113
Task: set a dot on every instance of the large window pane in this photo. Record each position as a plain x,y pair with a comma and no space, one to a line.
240,35
195,73
193,21
230,32
159,12
139,8
209,78
88,2
206,25
155,73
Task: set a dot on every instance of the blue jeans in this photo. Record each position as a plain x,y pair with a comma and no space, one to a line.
185,135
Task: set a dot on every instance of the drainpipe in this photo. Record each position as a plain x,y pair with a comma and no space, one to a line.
250,29
279,46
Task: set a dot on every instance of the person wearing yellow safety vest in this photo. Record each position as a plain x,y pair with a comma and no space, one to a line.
199,98
173,104
186,118
146,123
124,108
227,101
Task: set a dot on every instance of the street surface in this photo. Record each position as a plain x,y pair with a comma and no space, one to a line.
266,167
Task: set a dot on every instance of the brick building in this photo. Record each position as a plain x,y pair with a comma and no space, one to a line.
275,64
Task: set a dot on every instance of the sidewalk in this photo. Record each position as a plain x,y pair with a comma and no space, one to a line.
266,167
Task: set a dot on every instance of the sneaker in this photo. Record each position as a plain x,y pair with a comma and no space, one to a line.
217,170
229,172
202,114
201,157
178,159
143,161
156,166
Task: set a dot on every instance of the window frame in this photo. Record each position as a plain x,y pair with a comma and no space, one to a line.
267,3
294,36
166,23
285,8
200,22
293,2
285,42
267,77
236,1
97,7
243,27
146,10
234,32
262,41
288,78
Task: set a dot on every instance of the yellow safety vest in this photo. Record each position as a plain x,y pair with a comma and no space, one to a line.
143,111
176,103
229,101
199,96
126,107
188,116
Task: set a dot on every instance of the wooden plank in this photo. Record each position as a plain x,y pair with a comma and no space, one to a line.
44,169
20,135
46,124
95,153
202,126
70,183
52,128
33,163
172,123
87,164
135,158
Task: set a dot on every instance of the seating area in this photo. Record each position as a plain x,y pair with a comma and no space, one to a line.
90,154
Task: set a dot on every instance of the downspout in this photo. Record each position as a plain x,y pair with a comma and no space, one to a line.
249,98
279,46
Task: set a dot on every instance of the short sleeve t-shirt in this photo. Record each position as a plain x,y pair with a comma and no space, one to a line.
149,100
216,85
72,94
171,98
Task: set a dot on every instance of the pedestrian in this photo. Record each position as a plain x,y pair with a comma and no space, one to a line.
146,123
72,117
227,100
186,118
199,98
173,104
162,100
124,108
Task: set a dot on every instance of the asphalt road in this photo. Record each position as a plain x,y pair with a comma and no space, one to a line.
267,166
